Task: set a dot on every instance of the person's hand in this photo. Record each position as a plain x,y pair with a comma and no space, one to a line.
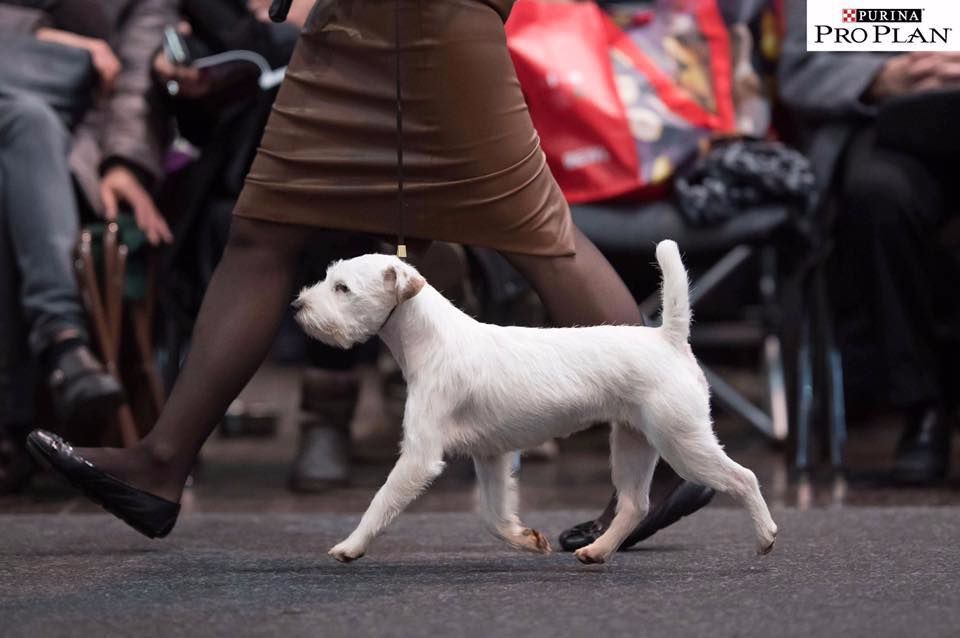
104,59
916,72
119,185
300,11
260,9
936,70
193,83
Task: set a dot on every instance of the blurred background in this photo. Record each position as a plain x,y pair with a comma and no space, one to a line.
810,192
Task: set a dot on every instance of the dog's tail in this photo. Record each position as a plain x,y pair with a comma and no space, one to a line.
675,292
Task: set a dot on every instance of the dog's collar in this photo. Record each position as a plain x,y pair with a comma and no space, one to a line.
389,316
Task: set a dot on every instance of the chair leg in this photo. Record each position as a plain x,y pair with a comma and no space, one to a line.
90,289
832,374
727,396
119,278
113,287
112,292
804,392
772,347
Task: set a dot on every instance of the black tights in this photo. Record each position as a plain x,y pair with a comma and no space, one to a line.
241,313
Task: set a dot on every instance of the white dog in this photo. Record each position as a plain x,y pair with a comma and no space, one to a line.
485,390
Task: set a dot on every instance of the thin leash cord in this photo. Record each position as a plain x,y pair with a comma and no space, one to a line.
401,203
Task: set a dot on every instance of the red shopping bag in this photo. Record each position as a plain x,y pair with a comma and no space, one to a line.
562,59
619,111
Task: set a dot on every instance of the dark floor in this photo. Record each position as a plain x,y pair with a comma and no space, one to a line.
841,572
249,557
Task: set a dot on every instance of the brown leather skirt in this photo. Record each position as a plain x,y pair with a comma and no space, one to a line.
475,173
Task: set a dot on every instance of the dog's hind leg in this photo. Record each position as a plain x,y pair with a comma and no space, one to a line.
697,456
417,466
497,504
633,460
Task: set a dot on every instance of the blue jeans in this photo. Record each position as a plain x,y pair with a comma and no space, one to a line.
39,224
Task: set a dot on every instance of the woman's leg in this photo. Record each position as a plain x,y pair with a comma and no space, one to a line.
238,321
579,290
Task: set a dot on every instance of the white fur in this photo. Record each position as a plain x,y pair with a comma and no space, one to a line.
485,390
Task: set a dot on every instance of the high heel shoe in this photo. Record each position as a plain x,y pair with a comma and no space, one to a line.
150,515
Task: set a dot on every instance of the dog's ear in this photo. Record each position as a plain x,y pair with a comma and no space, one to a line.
406,282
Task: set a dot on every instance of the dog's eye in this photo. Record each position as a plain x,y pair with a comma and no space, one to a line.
341,287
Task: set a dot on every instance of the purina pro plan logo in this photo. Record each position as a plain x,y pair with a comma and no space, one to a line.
883,25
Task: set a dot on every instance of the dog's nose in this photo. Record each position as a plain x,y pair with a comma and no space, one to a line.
297,303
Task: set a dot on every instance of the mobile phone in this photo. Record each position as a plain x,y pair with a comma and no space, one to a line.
175,47
279,10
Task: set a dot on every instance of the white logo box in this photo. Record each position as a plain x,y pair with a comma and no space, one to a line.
883,25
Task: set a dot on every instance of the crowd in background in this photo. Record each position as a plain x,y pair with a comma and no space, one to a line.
168,145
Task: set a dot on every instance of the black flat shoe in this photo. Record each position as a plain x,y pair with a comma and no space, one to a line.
150,515
684,500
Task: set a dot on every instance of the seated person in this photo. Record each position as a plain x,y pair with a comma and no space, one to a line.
114,156
892,203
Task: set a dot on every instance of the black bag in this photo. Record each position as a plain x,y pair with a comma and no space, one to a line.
738,174
64,77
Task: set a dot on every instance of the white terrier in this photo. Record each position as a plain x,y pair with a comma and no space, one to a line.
485,391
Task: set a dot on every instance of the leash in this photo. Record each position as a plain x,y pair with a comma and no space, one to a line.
401,203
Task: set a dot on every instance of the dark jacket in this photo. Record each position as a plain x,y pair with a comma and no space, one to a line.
825,90
126,126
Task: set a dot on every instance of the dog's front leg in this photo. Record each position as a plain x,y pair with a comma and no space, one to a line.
415,469
498,504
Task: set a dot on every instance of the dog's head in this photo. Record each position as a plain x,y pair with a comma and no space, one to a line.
354,300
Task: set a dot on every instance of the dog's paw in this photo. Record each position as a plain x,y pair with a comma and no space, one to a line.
763,550
766,543
589,555
346,553
533,541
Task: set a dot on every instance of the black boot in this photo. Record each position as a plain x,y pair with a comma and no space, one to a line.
83,392
685,499
923,454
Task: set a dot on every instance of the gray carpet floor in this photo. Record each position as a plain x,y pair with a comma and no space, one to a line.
847,572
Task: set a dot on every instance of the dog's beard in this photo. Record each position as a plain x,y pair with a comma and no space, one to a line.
329,333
